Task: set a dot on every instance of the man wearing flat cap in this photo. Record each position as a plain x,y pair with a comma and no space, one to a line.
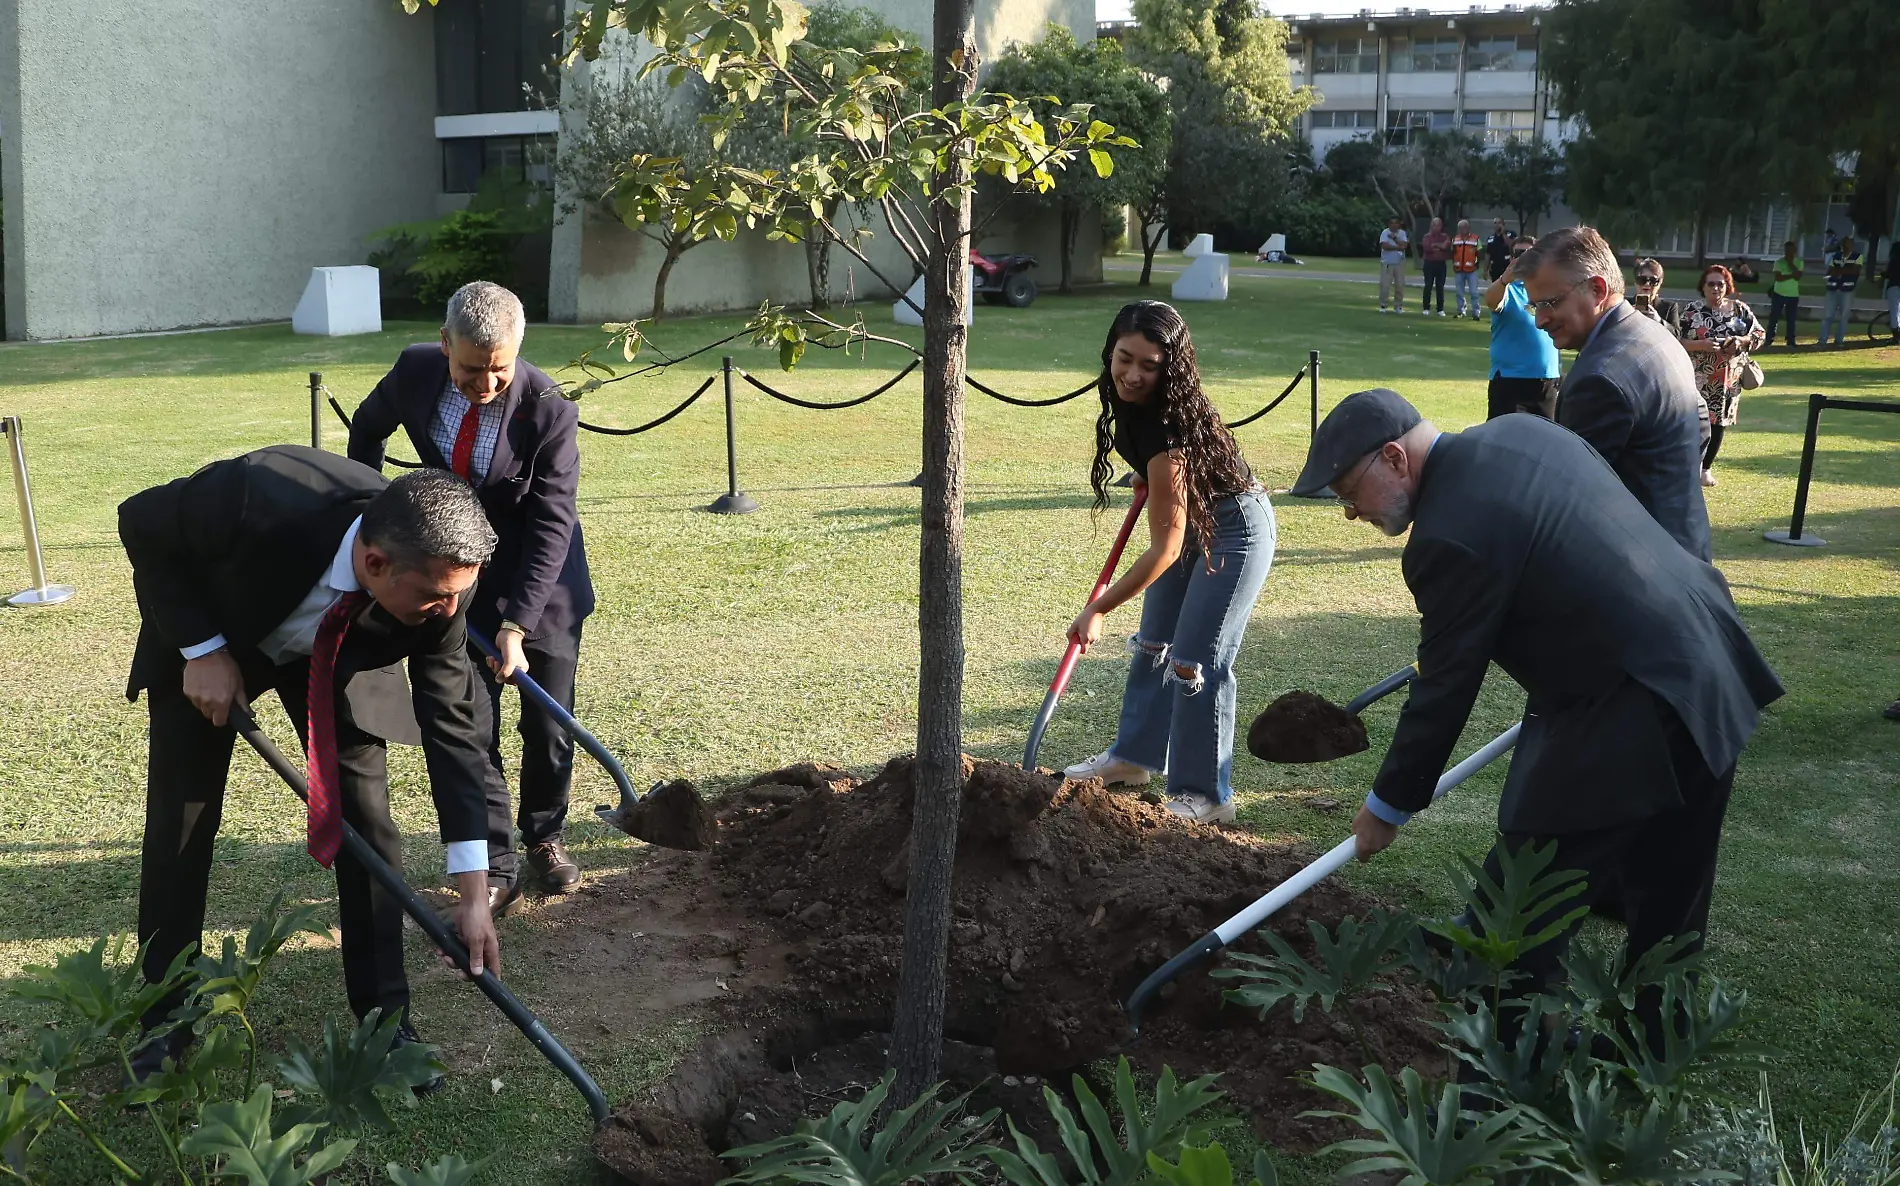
1527,551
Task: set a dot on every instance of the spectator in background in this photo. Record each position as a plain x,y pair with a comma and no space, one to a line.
1435,250
1784,292
1719,331
1393,244
1498,248
1647,297
1843,273
1744,272
1523,358
1890,280
1464,268
1832,243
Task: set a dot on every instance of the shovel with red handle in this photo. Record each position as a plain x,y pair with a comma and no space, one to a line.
1066,668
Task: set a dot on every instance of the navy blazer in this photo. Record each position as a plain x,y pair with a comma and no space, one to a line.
1528,552
1632,394
538,577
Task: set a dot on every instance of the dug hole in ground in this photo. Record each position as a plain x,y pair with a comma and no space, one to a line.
786,930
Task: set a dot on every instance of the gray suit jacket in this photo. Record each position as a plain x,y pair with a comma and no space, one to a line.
1632,394
1526,551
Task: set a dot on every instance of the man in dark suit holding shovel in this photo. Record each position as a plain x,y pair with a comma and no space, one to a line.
1527,551
473,407
296,570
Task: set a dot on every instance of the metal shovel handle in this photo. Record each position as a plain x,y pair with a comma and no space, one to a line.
564,718
1066,668
1382,689
1280,895
431,924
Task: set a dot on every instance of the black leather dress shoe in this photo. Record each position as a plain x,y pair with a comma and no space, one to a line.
150,1059
406,1036
1892,711
552,864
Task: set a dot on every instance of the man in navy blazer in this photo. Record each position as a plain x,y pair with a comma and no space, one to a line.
470,405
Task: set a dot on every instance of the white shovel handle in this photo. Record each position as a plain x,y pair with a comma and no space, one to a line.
1319,870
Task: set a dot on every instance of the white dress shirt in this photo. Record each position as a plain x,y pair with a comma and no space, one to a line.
450,409
295,637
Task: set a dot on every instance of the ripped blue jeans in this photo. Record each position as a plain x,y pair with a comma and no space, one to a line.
1178,707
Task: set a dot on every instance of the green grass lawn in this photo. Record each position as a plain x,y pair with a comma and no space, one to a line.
729,645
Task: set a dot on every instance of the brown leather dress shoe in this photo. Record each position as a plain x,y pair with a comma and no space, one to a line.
503,900
552,864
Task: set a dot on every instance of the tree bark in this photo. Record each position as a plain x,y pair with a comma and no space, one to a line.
1066,228
1149,244
676,246
917,1033
818,270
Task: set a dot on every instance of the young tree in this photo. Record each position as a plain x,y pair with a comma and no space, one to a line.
1056,72
863,140
1428,176
1523,176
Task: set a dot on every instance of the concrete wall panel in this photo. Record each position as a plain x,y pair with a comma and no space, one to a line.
225,151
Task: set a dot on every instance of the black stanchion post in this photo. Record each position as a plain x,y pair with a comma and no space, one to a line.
316,409
1793,535
734,501
1312,383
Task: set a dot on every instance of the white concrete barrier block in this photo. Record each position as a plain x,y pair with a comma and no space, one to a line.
903,314
1274,243
340,301
1205,280
1203,245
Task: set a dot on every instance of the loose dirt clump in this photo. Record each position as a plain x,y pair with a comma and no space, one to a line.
1302,727
1065,895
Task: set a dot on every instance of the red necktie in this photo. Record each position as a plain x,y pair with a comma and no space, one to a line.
463,459
325,816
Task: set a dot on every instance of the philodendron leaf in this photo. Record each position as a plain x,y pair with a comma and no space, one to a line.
237,1133
447,1171
349,1076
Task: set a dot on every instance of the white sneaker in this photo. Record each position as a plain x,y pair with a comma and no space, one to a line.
1110,769
1192,805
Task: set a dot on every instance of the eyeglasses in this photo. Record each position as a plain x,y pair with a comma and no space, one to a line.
1649,280
1359,473
1552,302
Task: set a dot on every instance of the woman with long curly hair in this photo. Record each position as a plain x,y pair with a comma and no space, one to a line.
1210,543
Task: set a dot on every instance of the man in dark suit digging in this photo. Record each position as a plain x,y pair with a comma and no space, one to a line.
296,570
470,405
1643,685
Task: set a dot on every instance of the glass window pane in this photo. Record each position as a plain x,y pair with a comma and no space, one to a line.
461,166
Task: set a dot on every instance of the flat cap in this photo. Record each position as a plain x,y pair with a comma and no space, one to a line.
1362,422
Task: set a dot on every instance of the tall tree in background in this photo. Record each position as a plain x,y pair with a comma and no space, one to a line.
1430,175
1523,176
1056,72
1676,96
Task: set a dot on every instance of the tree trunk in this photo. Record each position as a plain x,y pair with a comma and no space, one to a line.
818,270
917,1034
1070,216
1149,242
676,245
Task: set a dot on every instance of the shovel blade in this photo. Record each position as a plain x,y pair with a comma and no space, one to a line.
671,815
1301,727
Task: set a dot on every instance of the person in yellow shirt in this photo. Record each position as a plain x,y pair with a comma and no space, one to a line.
1784,292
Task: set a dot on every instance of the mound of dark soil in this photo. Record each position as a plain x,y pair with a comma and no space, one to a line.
1302,727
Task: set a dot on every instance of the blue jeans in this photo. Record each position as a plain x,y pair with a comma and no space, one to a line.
1838,311
1465,284
1178,707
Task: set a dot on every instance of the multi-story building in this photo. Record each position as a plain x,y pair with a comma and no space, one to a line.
1393,74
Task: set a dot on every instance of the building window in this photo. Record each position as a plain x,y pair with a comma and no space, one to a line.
1424,55
1509,52
1345,119
489,52
517,158
1402,126
1497,127
1347,55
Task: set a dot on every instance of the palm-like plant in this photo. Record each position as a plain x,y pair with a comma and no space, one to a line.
933,1136
1102,1151
1344,965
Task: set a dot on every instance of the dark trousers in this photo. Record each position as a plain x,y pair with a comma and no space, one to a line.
1777,306
1714,446
547,754
1506,395
1434,281
1660,870
186,766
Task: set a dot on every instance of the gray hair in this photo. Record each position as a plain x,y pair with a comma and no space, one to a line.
1578,252
486,315
428,514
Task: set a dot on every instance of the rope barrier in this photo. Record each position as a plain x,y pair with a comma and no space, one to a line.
398,462
1031,403
1277,401
651,424
818,407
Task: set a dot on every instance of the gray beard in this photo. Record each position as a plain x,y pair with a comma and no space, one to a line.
1397,517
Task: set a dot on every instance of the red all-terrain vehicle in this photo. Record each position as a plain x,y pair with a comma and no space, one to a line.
1003,279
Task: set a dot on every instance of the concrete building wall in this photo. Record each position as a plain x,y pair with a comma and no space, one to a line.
603,271
194,173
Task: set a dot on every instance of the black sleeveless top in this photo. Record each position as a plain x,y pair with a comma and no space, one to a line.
1140,435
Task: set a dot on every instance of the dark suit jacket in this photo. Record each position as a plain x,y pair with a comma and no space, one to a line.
1632,394
538,576
1528,552
235,547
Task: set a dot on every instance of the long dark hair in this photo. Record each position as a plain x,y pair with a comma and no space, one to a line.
1209,455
